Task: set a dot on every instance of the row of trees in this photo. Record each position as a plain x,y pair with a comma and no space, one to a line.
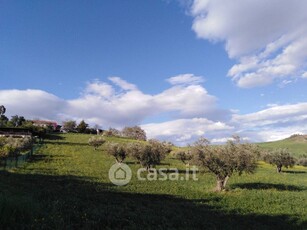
133,132
223,161
147,154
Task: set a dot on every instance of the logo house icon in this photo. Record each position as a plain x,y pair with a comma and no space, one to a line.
120,174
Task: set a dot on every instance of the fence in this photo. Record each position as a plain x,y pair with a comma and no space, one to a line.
14,162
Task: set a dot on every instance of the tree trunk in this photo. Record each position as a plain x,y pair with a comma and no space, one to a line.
279,169
221,183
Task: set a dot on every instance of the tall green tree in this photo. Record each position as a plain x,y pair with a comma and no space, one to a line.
3,118
17,121
81,128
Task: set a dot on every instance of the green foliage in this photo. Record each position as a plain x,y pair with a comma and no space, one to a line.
17,121
12,147
69,126
96,141
280,158
184,155
302,161
224,161
148,154
2,110
82,127
117,150
66,186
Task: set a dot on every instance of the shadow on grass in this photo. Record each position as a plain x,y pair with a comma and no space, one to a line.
66,143
265,186
294,171
54,137
65,202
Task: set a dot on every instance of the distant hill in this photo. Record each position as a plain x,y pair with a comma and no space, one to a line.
297,144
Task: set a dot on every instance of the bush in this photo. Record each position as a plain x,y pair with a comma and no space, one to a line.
96,141
302,161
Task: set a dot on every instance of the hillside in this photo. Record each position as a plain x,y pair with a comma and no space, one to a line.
297,144
66,186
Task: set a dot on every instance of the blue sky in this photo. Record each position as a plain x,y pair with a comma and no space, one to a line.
108,62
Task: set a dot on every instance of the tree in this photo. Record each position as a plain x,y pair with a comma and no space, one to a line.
149,154
82,127
17,121
117,150
96,141
3,118
112,132
280,158
2,110
184,155
224,161
134,132
69,126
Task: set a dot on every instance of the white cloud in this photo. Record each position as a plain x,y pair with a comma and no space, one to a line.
273,115
184,131
268,38
185,79
191,112
32,103
100,102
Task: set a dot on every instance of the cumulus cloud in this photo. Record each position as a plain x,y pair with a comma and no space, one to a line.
32,103
189,110
184,130
268,38
117,103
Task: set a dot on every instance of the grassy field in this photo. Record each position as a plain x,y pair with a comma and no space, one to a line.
297,145
66,186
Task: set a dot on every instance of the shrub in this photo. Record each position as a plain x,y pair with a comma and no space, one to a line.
302,161
96,141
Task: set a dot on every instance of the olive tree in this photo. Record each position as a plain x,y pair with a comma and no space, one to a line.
134,132
225,160
280,158
96,141
148,154
69,126
117,150
184,155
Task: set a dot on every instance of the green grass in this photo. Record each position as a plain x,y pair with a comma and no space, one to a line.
296,146
66,186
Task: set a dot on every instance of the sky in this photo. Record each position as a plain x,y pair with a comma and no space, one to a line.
181,69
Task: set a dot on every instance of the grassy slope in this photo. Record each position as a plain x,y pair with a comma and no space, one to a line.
66,186
296,145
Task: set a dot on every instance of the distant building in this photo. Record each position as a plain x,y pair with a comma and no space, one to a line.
54,125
